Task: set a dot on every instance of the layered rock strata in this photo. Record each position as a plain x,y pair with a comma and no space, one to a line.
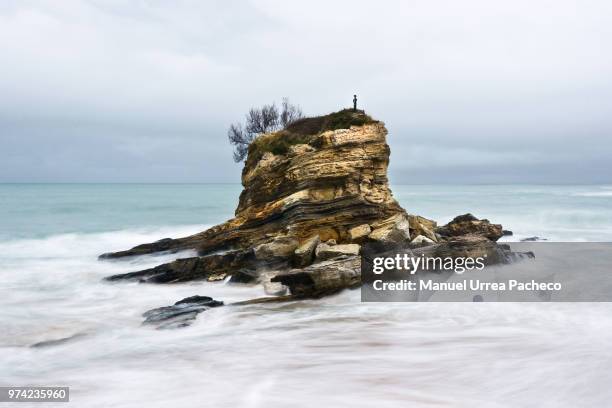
312,203
321,198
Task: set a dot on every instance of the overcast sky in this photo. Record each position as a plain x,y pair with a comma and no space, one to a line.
472,91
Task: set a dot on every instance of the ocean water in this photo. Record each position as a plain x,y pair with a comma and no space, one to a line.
334,351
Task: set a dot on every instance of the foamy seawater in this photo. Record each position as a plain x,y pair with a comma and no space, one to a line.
335,351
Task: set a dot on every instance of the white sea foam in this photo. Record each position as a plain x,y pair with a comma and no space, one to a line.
594,194
77,244
330,352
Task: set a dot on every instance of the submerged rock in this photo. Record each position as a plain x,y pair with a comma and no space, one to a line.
58,342
533,239
181,314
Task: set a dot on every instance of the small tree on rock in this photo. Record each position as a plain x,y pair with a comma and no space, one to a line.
258,121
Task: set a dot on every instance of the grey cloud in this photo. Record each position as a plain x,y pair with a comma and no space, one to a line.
471,91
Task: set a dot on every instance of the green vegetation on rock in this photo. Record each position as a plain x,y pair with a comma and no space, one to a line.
304,131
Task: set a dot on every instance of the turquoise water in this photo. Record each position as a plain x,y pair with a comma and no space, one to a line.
42,210
559,213
334,351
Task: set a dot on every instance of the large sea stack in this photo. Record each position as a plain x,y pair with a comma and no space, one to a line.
315,195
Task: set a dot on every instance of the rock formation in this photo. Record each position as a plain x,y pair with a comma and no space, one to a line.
330,186
326,187
315,196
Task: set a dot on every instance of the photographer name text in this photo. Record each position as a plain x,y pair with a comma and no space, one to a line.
465,285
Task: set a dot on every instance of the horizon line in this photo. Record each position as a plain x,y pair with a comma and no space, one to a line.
238,183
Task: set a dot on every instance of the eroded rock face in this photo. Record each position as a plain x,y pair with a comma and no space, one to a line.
326,188
334,185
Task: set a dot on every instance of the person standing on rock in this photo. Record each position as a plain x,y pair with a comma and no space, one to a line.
355,103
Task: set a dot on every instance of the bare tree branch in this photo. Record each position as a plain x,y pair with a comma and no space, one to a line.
289,113
241,139
258,121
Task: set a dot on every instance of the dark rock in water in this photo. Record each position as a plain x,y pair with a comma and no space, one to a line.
467,224
243,276
517,256
204,300
507,233
163,245
464,218
211,268
533,239
322,278
181,314
57,342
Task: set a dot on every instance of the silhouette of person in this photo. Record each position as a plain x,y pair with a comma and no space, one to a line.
355,102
